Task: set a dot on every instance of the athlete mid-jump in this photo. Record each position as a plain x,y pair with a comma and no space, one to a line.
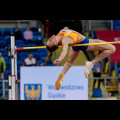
68,37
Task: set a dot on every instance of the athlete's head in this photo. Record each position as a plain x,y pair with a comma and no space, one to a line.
52,41
51,46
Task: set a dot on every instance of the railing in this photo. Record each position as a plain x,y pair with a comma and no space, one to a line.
18,23
105,82
87,24
5,90
101,21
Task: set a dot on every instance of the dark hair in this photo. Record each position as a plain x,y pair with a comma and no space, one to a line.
30,54
50,53
16,28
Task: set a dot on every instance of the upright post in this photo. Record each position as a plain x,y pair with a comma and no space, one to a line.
83,26
109,65
12,77
13,54
115,68
111,24
11,88
105,87
16,81
89,21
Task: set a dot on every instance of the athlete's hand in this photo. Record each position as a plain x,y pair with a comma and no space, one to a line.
57,62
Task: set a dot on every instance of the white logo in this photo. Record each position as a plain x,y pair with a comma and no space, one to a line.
117,39
68,31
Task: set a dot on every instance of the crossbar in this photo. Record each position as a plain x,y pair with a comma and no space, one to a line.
40,47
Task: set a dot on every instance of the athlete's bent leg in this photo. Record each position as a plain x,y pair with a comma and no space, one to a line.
72,56
107,50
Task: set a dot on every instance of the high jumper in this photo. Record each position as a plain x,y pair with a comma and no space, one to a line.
67,37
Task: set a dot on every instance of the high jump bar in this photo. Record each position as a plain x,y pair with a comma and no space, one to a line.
40,47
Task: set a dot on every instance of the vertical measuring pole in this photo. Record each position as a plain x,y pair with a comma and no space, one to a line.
13,54
11,87
16,81
12,77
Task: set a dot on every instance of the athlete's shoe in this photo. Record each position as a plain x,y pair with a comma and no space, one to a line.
88,68
58,82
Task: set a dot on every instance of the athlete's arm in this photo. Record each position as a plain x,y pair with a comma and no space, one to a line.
63,54
65,44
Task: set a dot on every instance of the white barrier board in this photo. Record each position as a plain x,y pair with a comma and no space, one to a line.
38,83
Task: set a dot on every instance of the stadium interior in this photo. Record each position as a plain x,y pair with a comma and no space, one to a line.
108,30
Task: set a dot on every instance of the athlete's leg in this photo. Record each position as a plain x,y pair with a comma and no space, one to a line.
107,50
72,56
